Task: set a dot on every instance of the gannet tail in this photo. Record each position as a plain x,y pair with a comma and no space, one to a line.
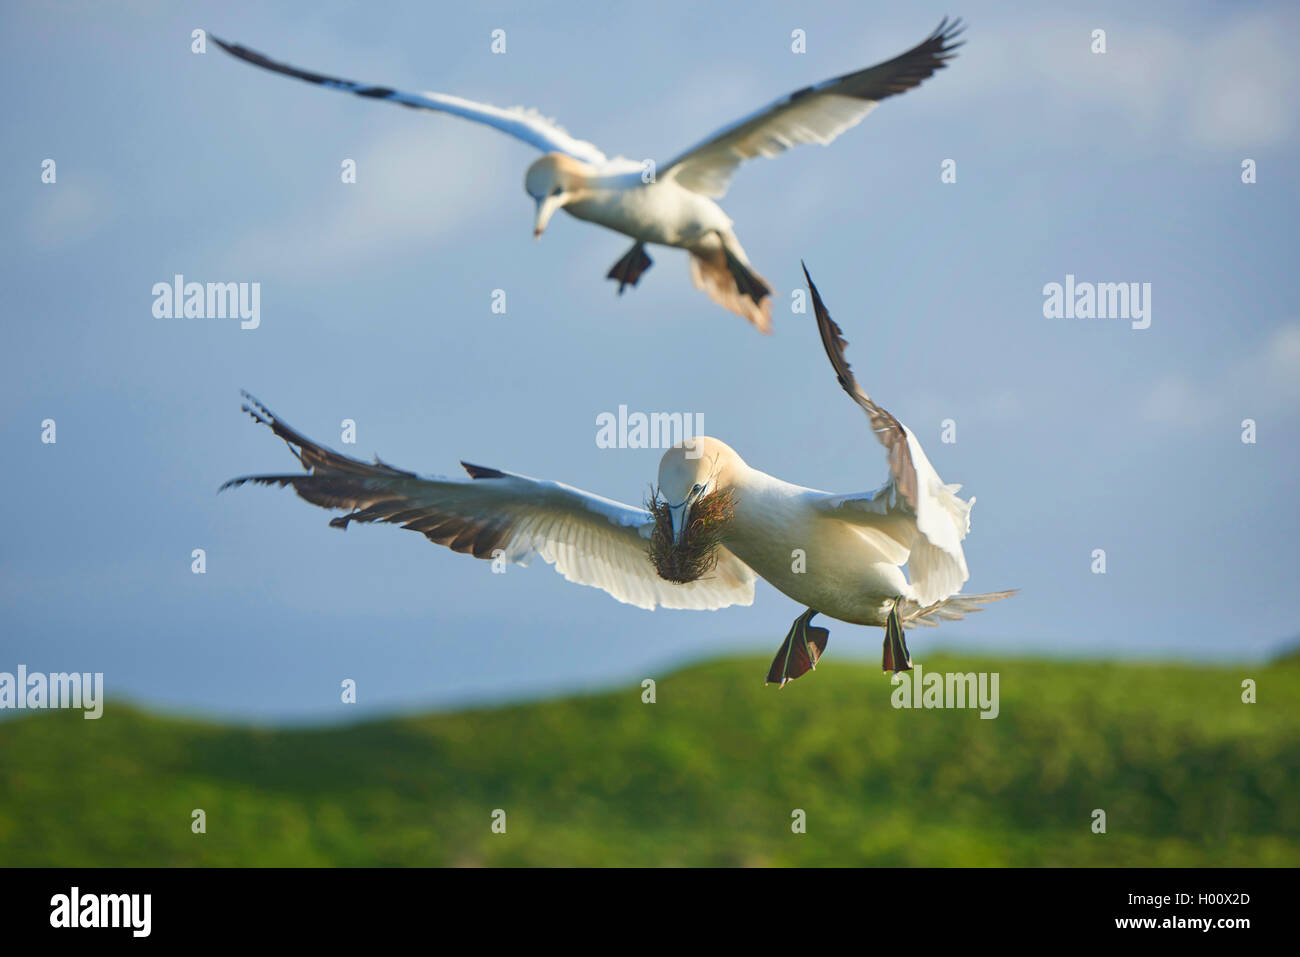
949,609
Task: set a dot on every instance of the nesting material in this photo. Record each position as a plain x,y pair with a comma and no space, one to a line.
697,553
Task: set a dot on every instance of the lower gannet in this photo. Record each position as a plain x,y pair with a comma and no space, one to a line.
712,524
671,203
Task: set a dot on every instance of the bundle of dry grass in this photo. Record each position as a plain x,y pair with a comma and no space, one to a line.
697,553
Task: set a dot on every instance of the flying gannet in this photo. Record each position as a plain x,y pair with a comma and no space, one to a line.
712,525
673,204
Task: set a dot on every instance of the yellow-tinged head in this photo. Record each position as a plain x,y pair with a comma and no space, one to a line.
693,505
553,181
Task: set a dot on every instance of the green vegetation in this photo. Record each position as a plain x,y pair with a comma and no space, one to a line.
1186,773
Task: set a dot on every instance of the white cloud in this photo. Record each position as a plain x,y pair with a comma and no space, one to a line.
1174,401
1233,88
1246,78
1284,353
1263,382
414,186
68,211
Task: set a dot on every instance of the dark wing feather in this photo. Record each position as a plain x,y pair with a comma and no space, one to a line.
814,114
377,492
888,429
902,73
526,125
589,539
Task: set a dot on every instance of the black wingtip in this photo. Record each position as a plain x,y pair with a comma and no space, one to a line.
238,50
280,480
482,471
945,35
258,412
949,28
819,307
232,48
236,482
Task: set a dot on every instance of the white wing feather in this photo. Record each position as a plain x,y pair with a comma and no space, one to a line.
589,539
815,114
523,124
939,520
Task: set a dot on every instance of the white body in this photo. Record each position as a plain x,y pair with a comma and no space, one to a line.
844,570
678,209
662,212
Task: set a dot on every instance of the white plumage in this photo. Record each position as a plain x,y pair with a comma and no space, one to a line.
671,205
839,555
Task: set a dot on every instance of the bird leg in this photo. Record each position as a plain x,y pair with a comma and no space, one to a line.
895,657
800,652
629,269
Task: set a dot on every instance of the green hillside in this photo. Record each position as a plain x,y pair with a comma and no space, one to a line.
709,774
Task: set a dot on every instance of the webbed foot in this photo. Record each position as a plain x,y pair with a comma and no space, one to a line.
895,657
800,652
628,270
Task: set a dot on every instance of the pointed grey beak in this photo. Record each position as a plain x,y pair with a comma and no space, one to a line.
546,208
679,514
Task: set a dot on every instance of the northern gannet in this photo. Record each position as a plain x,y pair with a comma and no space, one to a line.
673,204
712,525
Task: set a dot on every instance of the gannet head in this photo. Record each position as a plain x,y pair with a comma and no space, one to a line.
693,504
553,181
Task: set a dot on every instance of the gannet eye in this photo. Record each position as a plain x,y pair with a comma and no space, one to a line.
557,191
697,490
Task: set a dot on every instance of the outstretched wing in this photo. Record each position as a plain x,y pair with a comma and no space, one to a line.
936,563
590,540
891,433
527,125
815,114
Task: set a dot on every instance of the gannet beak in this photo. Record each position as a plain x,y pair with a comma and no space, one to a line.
678,514
546,208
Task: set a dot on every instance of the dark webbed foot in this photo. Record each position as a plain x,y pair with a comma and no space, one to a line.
629,269
748,282
800,652
896,657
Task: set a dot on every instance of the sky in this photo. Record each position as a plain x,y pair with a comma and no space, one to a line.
376,306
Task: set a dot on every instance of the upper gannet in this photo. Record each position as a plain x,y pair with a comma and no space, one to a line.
710,527
673,204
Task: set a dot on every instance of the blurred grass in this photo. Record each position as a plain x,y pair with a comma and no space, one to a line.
708,775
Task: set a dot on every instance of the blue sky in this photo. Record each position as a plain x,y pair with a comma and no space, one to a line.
1073,434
